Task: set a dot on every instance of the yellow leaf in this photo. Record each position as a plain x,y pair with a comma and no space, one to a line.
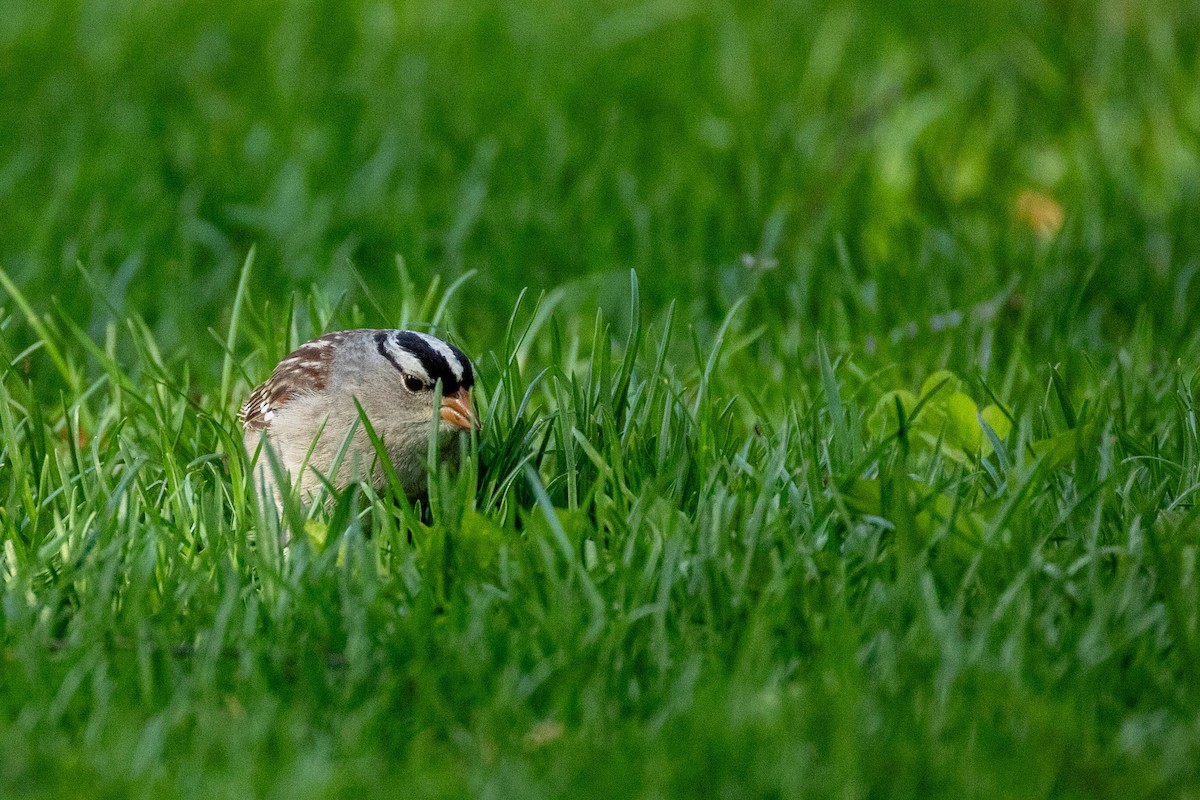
1041,213
963,429
998,421
317,533
883,420
941,381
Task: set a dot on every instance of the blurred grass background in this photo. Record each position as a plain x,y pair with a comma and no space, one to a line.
875,152
753,586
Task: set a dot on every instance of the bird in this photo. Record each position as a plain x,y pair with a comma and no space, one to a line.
307,411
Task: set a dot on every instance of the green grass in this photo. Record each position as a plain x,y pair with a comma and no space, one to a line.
740,279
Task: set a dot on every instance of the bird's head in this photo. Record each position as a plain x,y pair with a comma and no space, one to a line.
413,365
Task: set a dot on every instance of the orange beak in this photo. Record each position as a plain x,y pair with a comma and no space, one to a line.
458,411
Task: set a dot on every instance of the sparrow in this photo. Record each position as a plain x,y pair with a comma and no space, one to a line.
306,412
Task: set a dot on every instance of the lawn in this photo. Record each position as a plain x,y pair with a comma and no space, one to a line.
838,364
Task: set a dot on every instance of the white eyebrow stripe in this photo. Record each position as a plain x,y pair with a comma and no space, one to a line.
443,350
407,361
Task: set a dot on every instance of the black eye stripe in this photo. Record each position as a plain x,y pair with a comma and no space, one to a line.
435,363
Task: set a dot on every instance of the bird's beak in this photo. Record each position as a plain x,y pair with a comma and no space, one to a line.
458,411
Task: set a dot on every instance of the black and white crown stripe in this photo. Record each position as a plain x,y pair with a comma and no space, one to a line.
453,358
427,358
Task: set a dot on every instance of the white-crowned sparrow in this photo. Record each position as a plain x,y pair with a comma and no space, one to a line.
305,411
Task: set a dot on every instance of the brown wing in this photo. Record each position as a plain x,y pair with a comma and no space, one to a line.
259,409
305,369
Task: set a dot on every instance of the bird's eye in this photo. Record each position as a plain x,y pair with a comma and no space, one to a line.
413,384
